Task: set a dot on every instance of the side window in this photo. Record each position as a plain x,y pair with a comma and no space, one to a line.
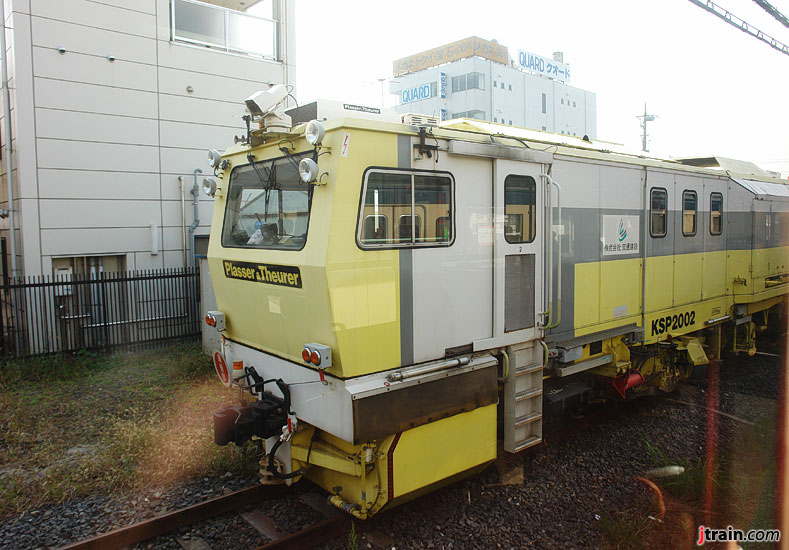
405,209
658,202
716,214
689,208
375,227
519,209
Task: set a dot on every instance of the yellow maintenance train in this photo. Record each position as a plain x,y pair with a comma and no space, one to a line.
398,295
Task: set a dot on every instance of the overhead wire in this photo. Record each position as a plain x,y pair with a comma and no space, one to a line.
741,24
769,8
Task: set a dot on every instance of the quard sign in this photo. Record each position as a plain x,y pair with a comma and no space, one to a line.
416,93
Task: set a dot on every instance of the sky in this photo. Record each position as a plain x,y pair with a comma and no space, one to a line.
715,89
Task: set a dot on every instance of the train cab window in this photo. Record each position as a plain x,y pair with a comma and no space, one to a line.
689,208
405,209
519,209
716,213
404,227
268,206
658,205
375,227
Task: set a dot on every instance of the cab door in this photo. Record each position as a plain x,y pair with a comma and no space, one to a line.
518,251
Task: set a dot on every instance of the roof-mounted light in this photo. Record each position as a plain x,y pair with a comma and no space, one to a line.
308,170
214,158
314,132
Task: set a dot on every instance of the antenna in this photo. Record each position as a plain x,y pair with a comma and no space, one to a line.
644,119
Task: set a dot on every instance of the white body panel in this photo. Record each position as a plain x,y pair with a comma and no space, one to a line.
457,280
329,406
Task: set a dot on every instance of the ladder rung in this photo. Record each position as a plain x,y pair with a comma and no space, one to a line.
526,443
527,370
527,419
528,394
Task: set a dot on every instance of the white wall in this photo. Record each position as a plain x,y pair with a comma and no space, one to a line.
101,144
570,110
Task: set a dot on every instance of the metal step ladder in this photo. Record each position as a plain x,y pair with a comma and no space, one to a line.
523,398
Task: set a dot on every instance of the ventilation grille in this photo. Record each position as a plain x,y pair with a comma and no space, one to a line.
419,120
518,292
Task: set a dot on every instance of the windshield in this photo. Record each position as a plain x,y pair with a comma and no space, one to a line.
268,206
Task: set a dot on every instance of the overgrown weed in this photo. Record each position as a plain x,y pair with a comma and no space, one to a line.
109,423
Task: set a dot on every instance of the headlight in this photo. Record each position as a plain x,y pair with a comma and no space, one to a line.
214,158
308,170
314,132
209,186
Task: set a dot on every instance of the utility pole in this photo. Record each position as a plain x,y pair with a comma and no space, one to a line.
644,119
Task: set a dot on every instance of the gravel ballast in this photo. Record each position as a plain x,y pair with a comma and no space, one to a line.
553,496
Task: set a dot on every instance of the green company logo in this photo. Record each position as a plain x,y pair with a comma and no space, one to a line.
622,230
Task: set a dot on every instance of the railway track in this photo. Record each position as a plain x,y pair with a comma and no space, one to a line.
336,524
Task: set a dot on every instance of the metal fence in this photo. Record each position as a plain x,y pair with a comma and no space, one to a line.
105,311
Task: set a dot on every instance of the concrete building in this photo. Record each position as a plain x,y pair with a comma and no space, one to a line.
477,78
112,101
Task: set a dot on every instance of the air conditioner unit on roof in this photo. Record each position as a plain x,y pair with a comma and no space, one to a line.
414,119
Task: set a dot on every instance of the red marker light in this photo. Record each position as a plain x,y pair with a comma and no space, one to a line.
315,357
305,354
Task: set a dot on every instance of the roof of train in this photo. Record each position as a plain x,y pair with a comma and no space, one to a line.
747,174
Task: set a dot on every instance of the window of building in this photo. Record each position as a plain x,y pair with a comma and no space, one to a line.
224,29
689,208
475,81
434,89
268,206
544,128
658,203
544,104
510,86
562,100
573,103
510,122
495,83
494,119
716,214
418,204
519,209
468,81
502,85
478,115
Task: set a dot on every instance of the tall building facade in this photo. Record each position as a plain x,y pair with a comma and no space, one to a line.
481,79
113,106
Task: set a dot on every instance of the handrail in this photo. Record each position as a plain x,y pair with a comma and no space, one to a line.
549,235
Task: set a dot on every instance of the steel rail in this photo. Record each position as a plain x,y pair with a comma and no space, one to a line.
159,525
311,537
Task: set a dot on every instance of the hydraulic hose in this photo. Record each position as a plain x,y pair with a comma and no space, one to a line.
273,468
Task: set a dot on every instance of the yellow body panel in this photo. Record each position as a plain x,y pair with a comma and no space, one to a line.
364,286
607,292
688,269
620,289
349,299
713,273
699,285
422,457
659,283
266,316
436,451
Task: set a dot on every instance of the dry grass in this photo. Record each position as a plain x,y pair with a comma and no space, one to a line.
107,424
